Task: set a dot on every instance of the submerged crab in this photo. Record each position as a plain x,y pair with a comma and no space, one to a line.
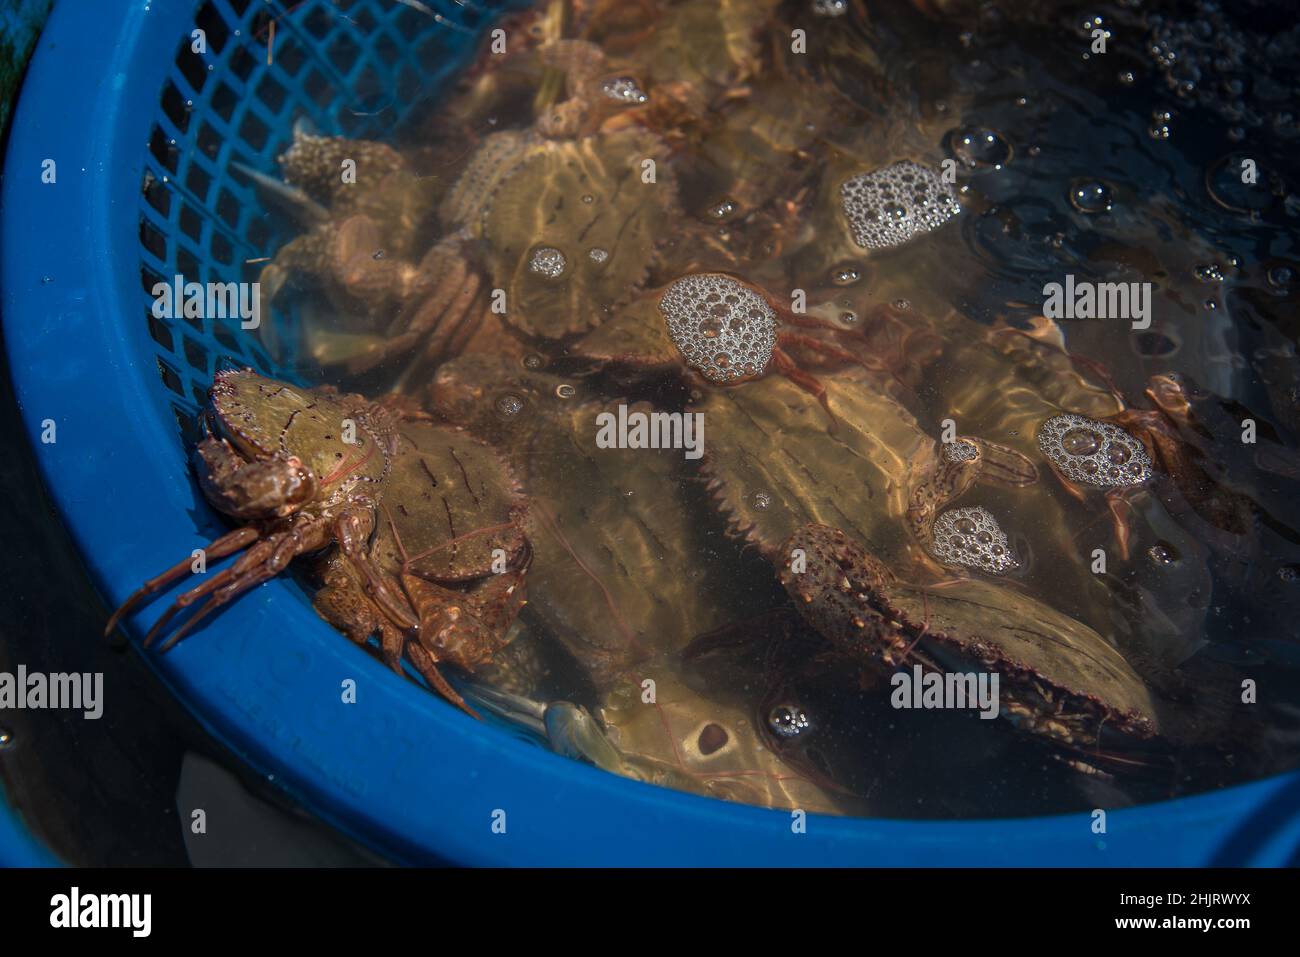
617,533
727,331
701,743
416,517
368,252
774,467
1059,680
569,228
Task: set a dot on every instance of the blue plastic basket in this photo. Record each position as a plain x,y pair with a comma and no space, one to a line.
117,99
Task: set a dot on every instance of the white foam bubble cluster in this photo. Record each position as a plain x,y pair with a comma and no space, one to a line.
1093,452
724,329
972,538
962,450
889,206
548,261
623,89
830,8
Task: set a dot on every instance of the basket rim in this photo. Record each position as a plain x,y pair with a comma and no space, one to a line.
258,676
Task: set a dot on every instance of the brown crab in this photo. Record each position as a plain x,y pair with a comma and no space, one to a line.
727,331
1059,680
567,229
416,518
369,253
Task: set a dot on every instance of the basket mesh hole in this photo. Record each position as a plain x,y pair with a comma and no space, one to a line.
192,66
191,223
211,23
197,182
164,152
158,330
154,242
156,196
195,355
272,94
171,378
173,105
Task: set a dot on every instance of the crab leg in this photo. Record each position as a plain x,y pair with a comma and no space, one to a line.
786,366
428,668
251,569
227,544
222,597
250,559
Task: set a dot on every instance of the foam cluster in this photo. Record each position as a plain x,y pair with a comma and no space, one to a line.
962,450
1093,452
723,328
972,538
548,261
890,206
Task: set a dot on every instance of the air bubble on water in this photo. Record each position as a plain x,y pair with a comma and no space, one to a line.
1289,574
598,255
848,317
902,304
1208,272
723,209
788,721
533,361
548,261
510,405
1210,305
711,315
962,450
1090,196
762,501
1280,277
979,148
623,89
845,275
1094,452
890,206
1126,77
588,198
1223,183
830,8
1162,553
971,537
565,391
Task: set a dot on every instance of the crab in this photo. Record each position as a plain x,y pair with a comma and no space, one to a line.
727,332
368,251
773,466
1061,682
617,533
567,229
408,521
693,741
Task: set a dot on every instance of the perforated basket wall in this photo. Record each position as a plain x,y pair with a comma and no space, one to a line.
356,68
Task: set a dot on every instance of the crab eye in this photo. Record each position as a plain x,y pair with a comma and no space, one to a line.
713,737
788,721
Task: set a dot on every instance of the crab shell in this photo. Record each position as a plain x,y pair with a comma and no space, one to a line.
1059,679
588,200
623,569
344,440
454,503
